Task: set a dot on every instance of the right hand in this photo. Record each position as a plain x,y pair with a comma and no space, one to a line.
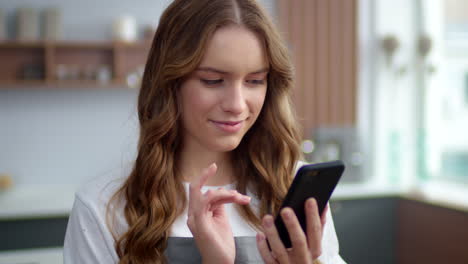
208,221
306,247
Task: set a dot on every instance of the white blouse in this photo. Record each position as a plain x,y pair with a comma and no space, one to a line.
89,240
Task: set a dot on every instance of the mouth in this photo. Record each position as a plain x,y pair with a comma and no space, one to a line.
228,123
228,126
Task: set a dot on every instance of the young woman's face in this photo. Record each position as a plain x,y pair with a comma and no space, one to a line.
223,97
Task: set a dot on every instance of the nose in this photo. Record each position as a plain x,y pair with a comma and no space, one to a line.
234,100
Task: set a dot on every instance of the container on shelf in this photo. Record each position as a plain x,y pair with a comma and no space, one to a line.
104,74
3,30
125,29
52,23
27,24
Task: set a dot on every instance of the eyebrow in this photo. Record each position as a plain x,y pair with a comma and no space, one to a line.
211,69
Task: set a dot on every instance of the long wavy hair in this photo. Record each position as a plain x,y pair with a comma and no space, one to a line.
265,159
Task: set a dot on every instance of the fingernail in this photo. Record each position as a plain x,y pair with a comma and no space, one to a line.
246,198
311,203
268,222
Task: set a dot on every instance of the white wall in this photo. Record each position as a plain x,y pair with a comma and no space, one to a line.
52,136
65,137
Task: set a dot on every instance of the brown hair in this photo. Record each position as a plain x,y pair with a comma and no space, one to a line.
264,160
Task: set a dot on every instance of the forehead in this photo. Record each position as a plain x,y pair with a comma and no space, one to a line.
235,49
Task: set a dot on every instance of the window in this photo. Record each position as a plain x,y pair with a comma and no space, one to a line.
447,92
414,74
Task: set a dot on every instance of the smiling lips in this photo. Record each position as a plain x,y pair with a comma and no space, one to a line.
228,126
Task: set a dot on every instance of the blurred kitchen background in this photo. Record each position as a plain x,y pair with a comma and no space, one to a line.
381,84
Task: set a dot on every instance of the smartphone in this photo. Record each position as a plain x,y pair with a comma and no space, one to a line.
314,180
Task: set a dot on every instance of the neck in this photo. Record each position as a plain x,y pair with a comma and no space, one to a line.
194,160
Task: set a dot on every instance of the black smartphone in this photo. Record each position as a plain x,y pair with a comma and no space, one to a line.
314,180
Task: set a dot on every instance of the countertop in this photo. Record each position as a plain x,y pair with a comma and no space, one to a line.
36,201
45,201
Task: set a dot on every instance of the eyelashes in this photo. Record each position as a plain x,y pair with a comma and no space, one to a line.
211,82
220,81
259,82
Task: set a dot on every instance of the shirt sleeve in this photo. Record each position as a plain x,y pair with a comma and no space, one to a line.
87,240
330,245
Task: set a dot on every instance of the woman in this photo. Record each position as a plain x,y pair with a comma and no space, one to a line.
218,149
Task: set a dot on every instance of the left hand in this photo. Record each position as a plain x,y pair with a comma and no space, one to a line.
306,247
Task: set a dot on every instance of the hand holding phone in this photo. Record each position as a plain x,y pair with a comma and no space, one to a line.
315,180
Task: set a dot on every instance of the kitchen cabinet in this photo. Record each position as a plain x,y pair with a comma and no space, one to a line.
366,229
32,233
387,229
429,233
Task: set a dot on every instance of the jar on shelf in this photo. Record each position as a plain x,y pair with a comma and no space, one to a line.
52,23
27,24
3,31
61,72
125,29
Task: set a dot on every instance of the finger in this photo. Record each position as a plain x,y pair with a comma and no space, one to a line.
276,244
264,250
323,217
215,198
235,200
314,228
195,188
191,200
296,234
206,173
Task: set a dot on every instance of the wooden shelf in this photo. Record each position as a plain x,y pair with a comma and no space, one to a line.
65,84
21,44
69,63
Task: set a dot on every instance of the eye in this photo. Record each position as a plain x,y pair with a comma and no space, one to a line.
256,82
211,81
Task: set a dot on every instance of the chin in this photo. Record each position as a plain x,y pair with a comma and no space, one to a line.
227,145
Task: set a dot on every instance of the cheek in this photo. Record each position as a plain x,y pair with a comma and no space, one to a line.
198,104
195,101
258,99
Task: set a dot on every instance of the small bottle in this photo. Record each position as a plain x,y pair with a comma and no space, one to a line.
104,74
